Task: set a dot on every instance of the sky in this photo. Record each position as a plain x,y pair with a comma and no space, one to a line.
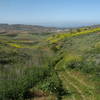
50,12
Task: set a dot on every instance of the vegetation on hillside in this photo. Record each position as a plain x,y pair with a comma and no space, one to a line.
64,66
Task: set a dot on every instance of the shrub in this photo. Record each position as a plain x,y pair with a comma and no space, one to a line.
18,82
53,85
73,61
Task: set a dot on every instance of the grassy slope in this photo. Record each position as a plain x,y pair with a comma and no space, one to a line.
74,56
81,49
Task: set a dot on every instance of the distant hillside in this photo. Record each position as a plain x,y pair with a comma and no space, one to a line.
36,29
19,28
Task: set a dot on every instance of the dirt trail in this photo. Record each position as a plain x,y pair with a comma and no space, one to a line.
82,83
75,86
72,80
79,80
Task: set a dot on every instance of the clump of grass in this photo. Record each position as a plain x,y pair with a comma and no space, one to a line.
16,83
97,45
53,85
73,61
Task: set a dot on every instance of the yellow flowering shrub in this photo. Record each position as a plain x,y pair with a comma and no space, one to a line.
15,45
61,36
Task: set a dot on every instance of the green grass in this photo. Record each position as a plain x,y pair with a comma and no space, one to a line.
64,66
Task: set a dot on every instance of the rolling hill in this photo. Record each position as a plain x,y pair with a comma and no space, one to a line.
55,66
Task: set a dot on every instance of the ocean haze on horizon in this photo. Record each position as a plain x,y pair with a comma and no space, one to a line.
58,25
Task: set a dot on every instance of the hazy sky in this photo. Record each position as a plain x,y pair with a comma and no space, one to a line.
50,11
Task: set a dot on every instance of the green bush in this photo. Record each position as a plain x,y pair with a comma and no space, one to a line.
16,84
53,85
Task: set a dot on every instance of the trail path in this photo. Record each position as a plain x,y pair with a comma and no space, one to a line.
79,88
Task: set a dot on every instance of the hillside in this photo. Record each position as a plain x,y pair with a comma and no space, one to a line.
20,28
63,66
